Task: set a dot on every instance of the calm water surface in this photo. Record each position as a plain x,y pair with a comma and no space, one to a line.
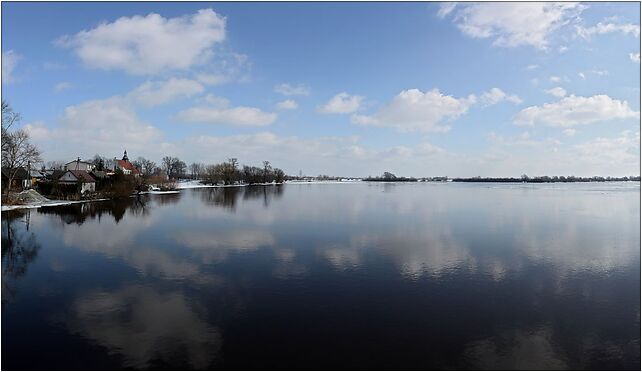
328,276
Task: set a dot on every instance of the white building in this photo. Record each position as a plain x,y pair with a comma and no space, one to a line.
72,177
79,165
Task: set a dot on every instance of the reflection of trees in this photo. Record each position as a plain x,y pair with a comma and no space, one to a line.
80,212
227,197
265,192
167,199
19,249
221,196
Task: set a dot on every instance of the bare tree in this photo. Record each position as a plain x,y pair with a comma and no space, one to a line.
146,166
19,153
167,162
9,117
196,169
54,164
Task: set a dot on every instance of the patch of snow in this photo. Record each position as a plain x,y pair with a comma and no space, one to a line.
49,203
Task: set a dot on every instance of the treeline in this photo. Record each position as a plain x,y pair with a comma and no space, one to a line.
547,179
389,177
229,173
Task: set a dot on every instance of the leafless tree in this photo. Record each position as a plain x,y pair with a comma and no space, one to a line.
146,166
18,153
9,118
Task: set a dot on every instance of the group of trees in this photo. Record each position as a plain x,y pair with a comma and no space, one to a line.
229,173
547,179
17,151
390,177
174,167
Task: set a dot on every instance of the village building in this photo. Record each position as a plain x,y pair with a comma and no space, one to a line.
79,165
21,179
125,166
73,177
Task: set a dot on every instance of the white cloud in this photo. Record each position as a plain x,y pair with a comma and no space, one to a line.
341,103
634,57
149,44
37,130
573,110
570,132
288,104
212,79
562,49
216,101
154,93
599,72
513,24
414,110
614,151
104,126
555,79
9,61
327,155
532,67
557,92
292,90
496,95
445,9
582,75
62,86
605,28
227,67
239,116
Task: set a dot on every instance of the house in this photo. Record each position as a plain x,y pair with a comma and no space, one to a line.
20,180
37,176
72,177
125,166
79,165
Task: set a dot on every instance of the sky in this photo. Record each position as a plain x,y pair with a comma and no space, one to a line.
345,89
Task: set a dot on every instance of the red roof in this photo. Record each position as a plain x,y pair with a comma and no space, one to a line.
83,175
127,165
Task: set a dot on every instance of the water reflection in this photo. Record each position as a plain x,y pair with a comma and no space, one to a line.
337,276
228,197
19,248
149,329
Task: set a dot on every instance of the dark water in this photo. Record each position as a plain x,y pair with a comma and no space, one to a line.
328,276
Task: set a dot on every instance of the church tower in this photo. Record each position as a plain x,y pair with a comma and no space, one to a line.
125,158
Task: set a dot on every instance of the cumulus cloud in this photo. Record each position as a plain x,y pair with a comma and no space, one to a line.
496,95
154,93
62,86
9,61
288,104
605,28
239,116
557,92
341,103
623,149
414,110
532,67
570,132
574,110
149,44
292,90
97,126
634,57
212,79
512,24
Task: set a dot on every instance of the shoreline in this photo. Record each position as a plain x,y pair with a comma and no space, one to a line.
193,185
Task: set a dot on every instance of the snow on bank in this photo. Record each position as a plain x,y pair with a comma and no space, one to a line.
50,203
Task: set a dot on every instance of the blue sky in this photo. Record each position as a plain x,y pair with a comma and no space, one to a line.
354,89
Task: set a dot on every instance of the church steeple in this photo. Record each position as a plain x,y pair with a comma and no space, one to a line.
125,158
